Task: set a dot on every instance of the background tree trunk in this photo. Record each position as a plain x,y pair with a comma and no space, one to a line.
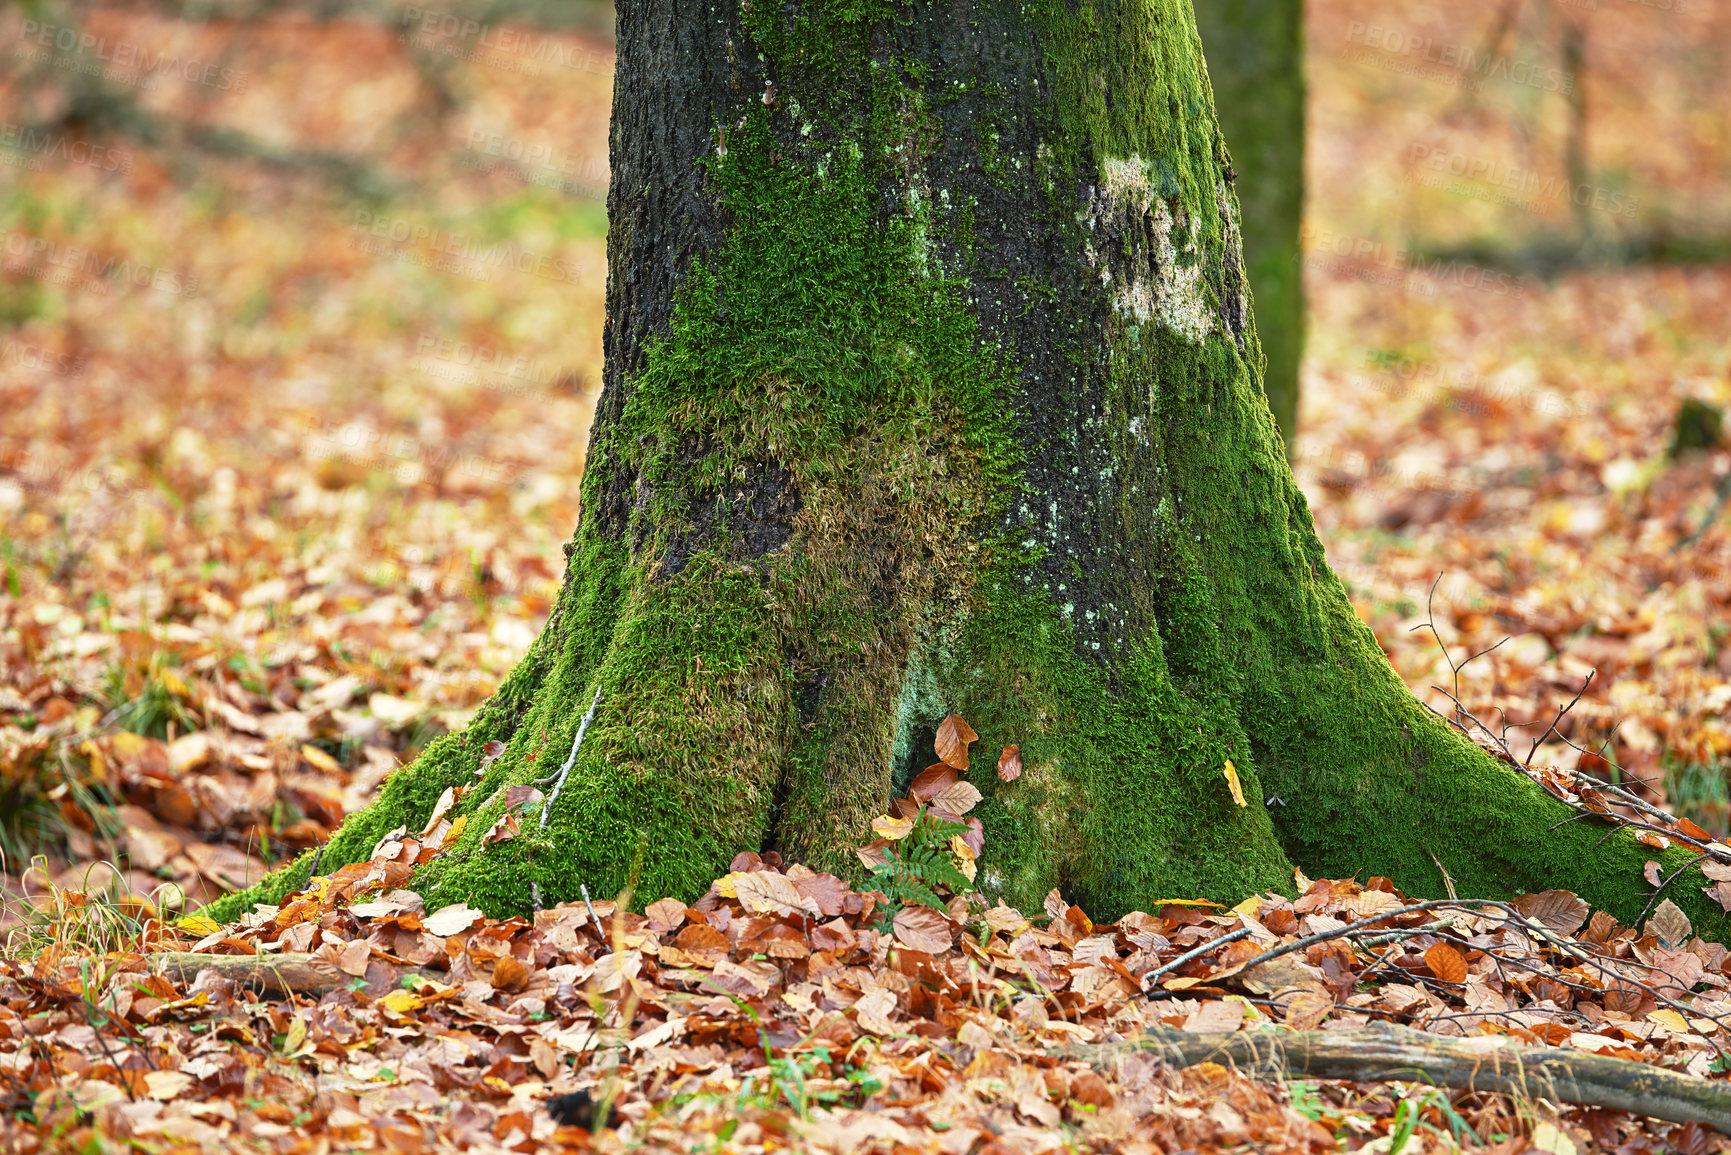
1255,51
930,387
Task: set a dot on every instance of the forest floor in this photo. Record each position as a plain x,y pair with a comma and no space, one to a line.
281,498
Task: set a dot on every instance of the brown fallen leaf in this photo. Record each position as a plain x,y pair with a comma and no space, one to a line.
952,741
1558,910
1446,963
1010,763
923,929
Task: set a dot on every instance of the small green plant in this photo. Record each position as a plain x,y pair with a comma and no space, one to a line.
919,863
148,699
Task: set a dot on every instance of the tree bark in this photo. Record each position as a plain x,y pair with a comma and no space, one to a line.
931,386
1255,51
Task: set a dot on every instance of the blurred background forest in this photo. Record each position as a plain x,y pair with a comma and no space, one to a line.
300,330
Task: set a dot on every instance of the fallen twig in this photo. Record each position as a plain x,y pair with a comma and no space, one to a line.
1486,1064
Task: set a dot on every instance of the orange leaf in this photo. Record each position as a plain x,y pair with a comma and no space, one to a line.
952,741
1010,763
1649,838
1446,963
1692,830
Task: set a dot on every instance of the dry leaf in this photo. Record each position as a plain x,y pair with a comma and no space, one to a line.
874,1010
1670,925
1559,910
767,892
923,929
894,829
665,914
1306,1010
1651,872
1446,963
448,920
446,800
1652,838
932,781
956,800
952,741
1234,785
1010,763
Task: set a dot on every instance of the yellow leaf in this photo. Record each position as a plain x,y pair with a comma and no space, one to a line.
727,886
1670,1020
295,1037
1249,906
1549,1137
319,760
401,1002
199,924
1232,783
1182,983
894,829
456,830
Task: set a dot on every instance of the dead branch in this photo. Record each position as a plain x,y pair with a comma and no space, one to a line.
275,974
1383,1052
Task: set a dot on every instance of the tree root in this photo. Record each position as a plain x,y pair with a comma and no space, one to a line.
281,974
1381,1052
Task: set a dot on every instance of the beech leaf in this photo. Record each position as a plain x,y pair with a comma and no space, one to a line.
923,929
952,741
1010,763
1559,910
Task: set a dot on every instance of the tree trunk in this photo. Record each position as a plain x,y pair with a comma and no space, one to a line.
931,387
1255,51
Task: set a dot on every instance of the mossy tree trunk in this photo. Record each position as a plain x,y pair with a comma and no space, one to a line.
1255,51
931,387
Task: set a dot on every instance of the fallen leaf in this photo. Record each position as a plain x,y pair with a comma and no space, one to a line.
665,914
952,741
1306,1009
448,920
769,892
507,827
956,800
1010,763
1652,838
1670,924
1233,784
1651,872
894,829
932,781
1446,963
923,929
1559,910
447,799
165,1085
873,1011
320,760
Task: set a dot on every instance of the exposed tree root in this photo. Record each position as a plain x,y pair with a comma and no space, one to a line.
1489,1063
